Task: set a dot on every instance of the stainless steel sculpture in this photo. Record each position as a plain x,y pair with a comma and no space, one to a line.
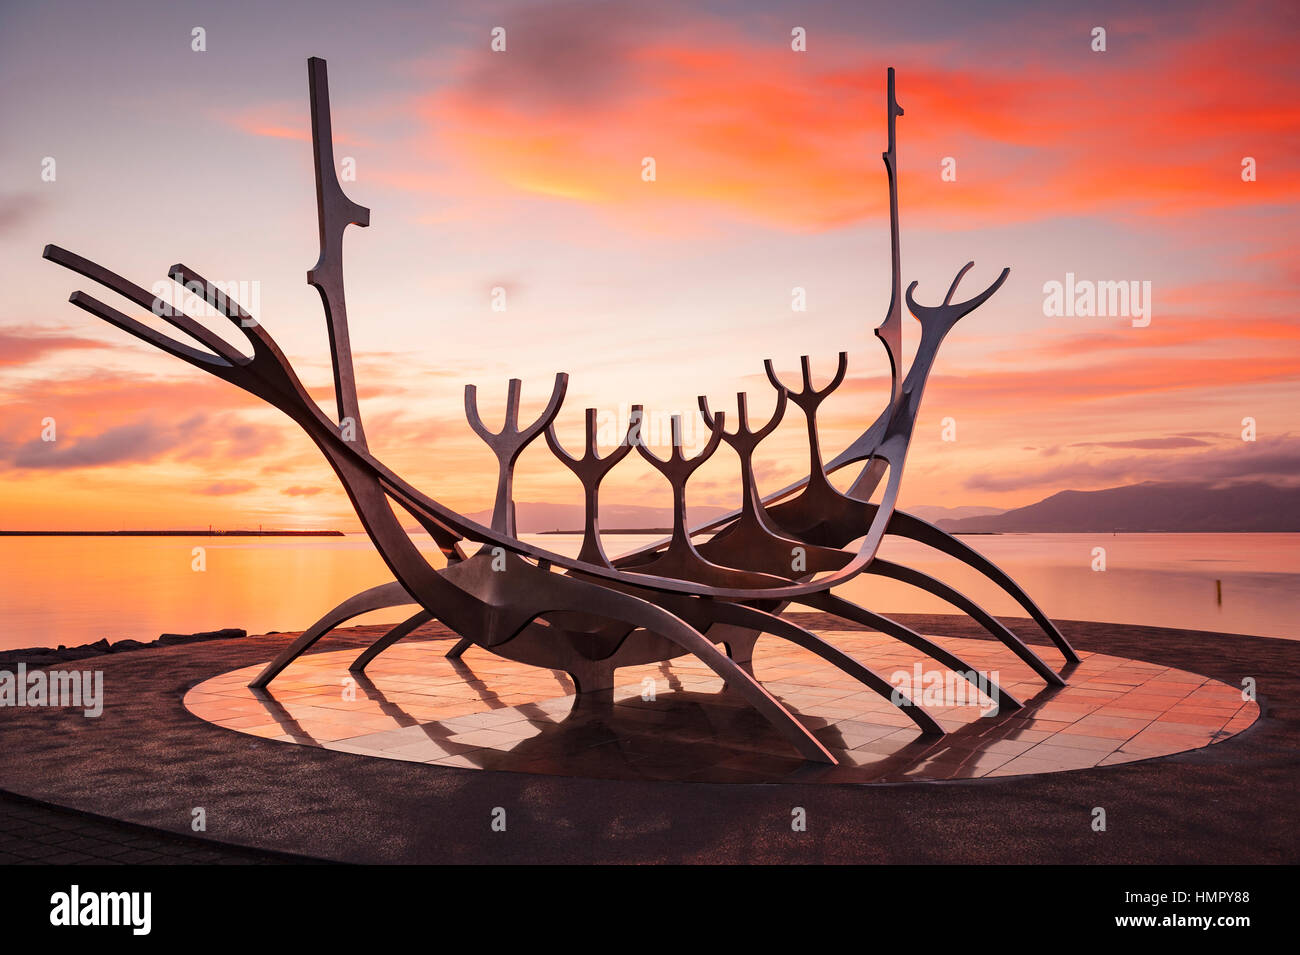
721,584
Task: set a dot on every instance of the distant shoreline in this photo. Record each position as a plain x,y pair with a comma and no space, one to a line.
613,530
661,531
208,533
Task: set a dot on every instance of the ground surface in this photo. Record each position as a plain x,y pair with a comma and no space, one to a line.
670,721
35,833
149,761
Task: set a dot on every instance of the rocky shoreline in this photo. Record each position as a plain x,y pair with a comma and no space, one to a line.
43,656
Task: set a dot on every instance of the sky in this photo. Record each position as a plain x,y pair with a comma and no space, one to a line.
521,170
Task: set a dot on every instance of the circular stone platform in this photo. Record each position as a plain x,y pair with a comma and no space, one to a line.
677,721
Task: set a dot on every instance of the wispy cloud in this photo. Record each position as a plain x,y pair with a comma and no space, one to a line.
298,490
1146,444
1275,461
139,441
24,345
223,488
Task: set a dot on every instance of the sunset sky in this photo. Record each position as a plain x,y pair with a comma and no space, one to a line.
523,170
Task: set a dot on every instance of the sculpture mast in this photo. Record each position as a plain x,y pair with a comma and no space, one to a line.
890,331
336,212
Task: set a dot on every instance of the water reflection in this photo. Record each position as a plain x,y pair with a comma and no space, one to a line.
78,590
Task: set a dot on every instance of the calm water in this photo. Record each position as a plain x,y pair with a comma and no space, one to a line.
75,590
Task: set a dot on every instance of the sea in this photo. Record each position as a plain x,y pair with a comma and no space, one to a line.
75,590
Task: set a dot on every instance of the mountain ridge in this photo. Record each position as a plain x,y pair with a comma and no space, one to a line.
1152,506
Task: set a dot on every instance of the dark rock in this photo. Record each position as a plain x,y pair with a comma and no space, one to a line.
122,646
169,639
47,656
33,658
75,653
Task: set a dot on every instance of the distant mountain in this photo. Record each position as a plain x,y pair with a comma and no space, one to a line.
532,517
934,513
1151,506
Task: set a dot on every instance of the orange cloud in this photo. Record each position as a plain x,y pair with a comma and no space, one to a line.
23,345
282,120
794,141
1219,334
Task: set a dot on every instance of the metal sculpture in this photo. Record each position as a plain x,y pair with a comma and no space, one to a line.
720,584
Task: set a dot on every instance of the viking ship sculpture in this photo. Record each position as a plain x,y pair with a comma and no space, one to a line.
709,591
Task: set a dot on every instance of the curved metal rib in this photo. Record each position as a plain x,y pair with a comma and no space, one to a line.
885,568
458,651
403,629
914,528
754,619
847,610
567,594
376,598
